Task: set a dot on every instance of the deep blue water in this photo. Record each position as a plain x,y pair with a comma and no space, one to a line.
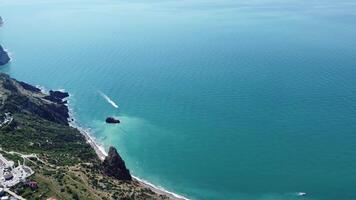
223,99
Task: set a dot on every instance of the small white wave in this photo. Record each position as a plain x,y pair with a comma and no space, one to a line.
9,54
110,101
42,88
60,89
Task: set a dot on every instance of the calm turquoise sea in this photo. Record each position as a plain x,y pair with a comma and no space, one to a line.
219,99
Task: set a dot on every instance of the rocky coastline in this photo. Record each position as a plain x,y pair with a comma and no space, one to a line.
42,124
25,102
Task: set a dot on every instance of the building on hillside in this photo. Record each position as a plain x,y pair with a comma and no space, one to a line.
10,175
33,185
5,198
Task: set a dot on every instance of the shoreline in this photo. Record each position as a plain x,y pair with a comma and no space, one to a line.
101,153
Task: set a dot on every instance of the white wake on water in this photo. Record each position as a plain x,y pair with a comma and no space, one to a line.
107,98
300,194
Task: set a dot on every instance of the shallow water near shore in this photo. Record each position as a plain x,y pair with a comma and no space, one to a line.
218,99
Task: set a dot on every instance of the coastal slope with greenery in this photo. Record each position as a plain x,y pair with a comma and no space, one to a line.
66,166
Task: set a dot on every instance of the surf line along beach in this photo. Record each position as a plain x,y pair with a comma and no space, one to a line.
101,153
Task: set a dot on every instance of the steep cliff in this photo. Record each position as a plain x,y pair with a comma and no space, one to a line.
4,57
21,97
114,166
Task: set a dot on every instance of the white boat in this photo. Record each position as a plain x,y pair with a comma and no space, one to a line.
301,194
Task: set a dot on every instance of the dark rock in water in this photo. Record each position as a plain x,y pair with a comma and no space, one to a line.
29,87
4,57
57,96
114,166
111,120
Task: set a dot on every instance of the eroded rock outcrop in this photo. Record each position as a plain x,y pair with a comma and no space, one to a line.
29,87
114,166
4,57
21,97
112,120
57,96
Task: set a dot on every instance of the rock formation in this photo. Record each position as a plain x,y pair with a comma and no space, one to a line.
29,87
4,57
112,120
21,97
57,96
114,166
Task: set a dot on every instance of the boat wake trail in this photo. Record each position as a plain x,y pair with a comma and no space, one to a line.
110,101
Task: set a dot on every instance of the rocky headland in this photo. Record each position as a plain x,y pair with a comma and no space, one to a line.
4,56
114,166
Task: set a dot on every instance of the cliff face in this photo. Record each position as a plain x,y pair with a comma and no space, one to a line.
114,166
21,97
4,57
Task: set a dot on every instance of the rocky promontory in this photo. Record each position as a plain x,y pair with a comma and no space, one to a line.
114,166
24,98
57,96
4,56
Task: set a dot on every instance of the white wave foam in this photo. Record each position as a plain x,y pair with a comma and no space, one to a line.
60,89
42,88
110,101
9,54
